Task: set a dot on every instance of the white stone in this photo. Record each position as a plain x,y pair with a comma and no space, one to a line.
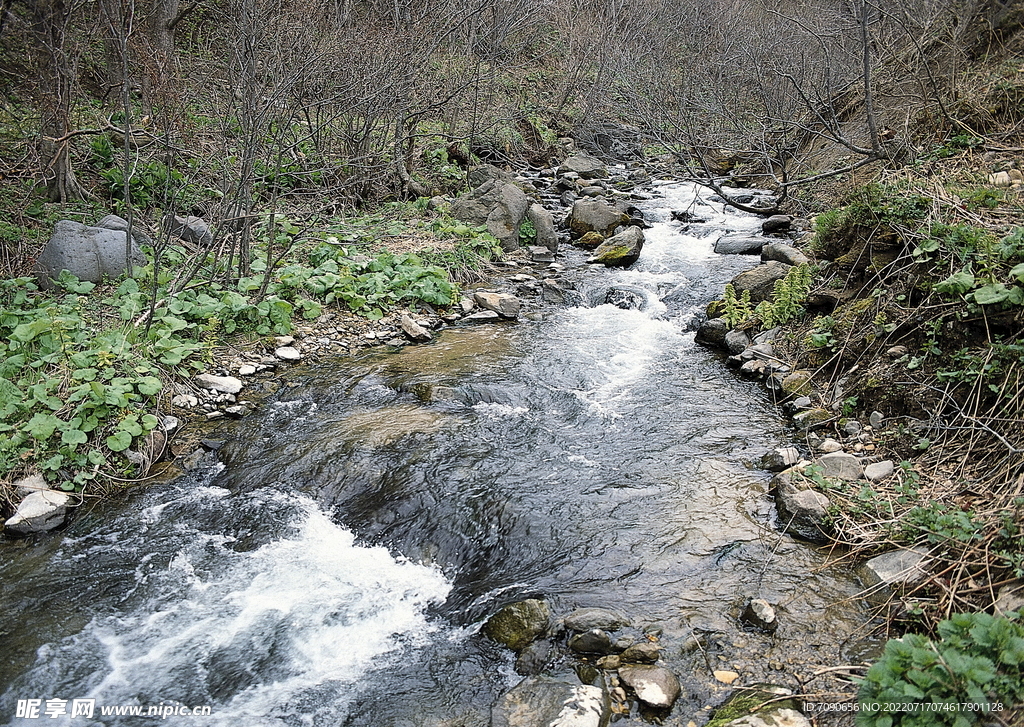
775,718
878,471
223,384
897,567
246,370
287,353
32,483
39,512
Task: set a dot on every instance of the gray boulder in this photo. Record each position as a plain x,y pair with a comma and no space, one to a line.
507,306
655,686
761,280
113,222
222,384
643,653
736,341
594,641
89,253
780,458
517,624
584,619
802,510
594,215
414,330
486,173
712,332
190,229
500,206
38,512
729,245
546,702
776,223
840,465
587,167
544,224
905,566
621,250
32,483
878,471
783,253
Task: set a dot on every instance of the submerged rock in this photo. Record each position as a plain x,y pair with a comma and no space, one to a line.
585,619
546,702
761,615
517,624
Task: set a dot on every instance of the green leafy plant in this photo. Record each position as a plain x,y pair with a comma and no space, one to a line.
972,668
737,307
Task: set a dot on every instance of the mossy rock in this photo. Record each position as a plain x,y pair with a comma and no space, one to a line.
745,702
591,240
621,250
812,418
518,624
797,383
715,309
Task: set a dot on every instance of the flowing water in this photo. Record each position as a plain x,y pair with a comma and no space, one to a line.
334,566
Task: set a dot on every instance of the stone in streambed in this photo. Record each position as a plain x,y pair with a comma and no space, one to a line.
222,384
506,306
594,641
517,624
546,702
621,250
414,330
585,619
41,511
643,653
840,465
761,615
655,686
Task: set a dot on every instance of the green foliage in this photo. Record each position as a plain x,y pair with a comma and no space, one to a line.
956,144
151,184
787,298
995,283
527,234
821,335
870,206
737,308
974,666
997,367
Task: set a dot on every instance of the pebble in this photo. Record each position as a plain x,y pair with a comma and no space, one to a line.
246,370
726,677
287,353
829,445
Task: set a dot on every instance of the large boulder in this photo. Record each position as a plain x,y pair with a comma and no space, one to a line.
500,206
89,253
841,465
486,173
621,250
546,702
761,280
38,512
739,245
783,253
712,332
594,215
902,567
544,224
517,624
655,686
587,167
505,305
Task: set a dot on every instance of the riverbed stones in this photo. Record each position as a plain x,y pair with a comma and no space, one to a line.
593,215
812,418
802,510
797,383
498,205
655,686
780,458
544,224
760,706
760,281
506,306
517,624
38,512
590,240
89,253
841,465
878,471
621,250
546,702
593,641
904,566
643,652
539,254
783,253
584,619
221,384
414,330
736,341
534,657
761,615
712,332
776,223
483,316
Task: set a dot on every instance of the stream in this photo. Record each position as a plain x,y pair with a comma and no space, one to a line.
333,563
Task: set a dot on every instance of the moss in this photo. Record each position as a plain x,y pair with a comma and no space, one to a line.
746,702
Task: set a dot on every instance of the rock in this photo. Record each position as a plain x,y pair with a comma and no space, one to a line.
223,384
851,427
288,353
246,370
726,677
829,445
761,280
875,419
500,206
414,330
712,332
1010,598
190,229
905,566
484,173
38,512
32,483
729,245
236,411
590,240
593,641
781,717
802,510
761,615
878,471
544,224
89,253
541,254
585,619
113,222
517,624
621,250
587,167
812,418
840,465
1008,178
762,705
552,291
507,306
736,341
545,702
592,215
797,383
780,459
609,663
776,223
534,658
484,316
655,686
784,254
642,653
284,340
626,297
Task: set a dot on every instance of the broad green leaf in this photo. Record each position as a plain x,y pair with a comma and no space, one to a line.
149,385
119,441
41,426
991,294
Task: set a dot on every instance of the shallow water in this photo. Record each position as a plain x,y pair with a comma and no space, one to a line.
335,565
